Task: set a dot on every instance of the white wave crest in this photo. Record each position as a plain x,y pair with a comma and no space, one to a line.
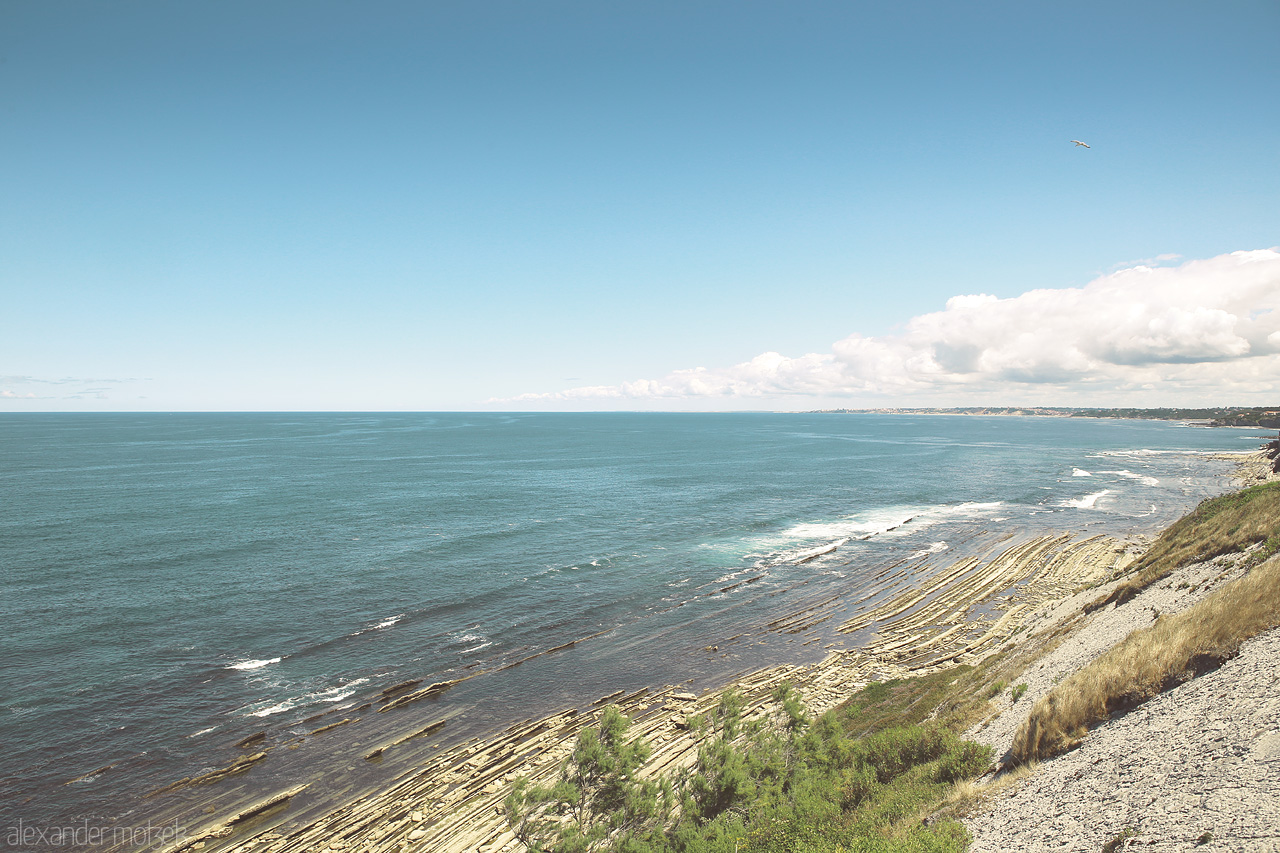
1129,475
1086,502
810,553
966,508
1079,472
861,526
935,548
865,525
791,555
1146,451
333,694
253,664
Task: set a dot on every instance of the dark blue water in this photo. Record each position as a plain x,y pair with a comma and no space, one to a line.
174,582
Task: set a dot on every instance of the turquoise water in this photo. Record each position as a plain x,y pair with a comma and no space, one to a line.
175,582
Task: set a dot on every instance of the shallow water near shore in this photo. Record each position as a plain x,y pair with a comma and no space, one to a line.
175,583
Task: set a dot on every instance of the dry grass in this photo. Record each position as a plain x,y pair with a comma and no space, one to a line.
971,796
1220,525
1152,660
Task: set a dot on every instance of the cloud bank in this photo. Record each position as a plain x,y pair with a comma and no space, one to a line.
1206,331
15,388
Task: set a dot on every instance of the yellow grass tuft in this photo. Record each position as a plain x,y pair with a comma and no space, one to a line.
1151,660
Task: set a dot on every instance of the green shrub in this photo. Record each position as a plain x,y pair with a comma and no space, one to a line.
784,783
598,793
858,783
1118,842
964,760
893,751
1269,548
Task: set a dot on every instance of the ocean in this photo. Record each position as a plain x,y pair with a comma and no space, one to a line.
173,583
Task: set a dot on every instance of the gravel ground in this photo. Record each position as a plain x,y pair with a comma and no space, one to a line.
1196,767
1104,629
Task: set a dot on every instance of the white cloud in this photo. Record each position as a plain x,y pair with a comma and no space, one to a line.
1203,331
1158,260
14,387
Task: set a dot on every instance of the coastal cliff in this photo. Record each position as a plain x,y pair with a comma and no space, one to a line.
1193,765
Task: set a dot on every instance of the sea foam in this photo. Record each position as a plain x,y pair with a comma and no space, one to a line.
333,694
253,664
935,548
1129,475
1086,502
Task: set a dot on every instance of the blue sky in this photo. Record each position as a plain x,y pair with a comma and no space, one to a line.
390,206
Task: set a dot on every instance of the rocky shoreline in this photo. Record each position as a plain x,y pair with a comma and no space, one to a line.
976,606
452,803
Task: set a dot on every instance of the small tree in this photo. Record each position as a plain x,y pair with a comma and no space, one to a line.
598,799
722,775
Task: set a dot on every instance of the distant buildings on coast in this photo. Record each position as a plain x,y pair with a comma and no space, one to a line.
1236,416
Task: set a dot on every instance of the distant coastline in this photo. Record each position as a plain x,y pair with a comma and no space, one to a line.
1264,417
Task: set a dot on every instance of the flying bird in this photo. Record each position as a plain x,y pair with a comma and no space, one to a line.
1078,142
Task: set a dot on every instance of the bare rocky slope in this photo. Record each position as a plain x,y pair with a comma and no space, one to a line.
1195,767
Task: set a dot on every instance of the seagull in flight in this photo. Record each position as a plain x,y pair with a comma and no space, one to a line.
1078,142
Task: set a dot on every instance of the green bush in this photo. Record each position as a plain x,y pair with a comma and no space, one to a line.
858,782
597,795
893,751
784,783
964,760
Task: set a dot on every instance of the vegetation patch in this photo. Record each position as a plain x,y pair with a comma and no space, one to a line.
1152,660
783,782
1118,842
1268,549
907,701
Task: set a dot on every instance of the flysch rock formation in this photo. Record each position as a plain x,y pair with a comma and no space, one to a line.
453,803
1197,766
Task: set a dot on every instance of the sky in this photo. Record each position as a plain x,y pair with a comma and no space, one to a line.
388,206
